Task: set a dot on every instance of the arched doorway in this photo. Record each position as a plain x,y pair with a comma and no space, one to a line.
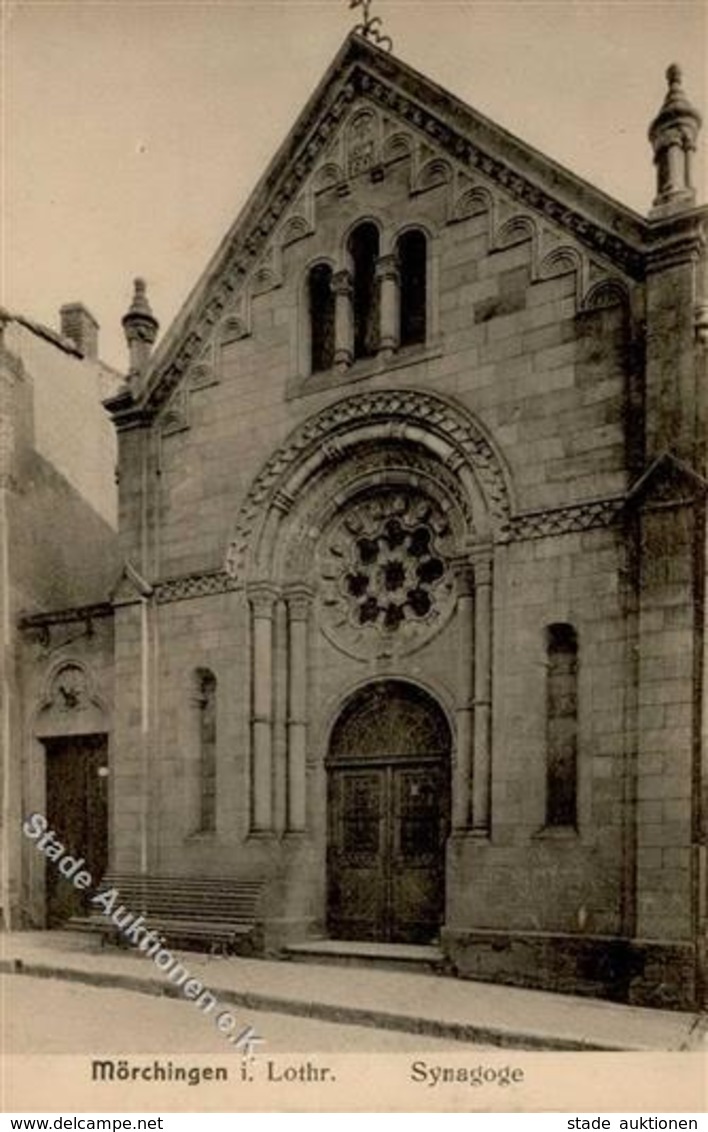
388,815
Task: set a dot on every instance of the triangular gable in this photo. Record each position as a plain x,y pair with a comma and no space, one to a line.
130,587
667,479
471,144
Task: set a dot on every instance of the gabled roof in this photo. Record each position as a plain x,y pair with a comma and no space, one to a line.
607,228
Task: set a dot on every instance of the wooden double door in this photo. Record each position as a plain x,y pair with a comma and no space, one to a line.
77,811
389,803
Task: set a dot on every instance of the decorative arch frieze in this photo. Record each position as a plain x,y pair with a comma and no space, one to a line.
605,294
363,122
397,146
329,174
368,131
234,326
566,260
174,417
444,430
201,375
517,229
436,171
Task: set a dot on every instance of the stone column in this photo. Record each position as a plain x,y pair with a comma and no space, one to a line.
262,598
482,764
342,287
388,278
464,579
298,601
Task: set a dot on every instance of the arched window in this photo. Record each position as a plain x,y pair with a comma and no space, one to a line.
412,258
206,729
364,251
562,725
321,318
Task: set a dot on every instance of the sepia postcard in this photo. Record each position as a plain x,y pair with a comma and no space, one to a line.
353,479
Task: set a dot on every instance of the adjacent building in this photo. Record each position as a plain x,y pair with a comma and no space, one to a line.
58,550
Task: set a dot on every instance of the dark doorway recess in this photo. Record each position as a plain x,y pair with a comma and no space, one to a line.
389,803
77,810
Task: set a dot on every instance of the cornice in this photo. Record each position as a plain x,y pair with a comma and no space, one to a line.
193,585
126,412
65,616
566,520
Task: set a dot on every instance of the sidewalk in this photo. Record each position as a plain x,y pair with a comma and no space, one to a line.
425,1004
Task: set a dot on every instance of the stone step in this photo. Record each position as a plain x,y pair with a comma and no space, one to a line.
360,953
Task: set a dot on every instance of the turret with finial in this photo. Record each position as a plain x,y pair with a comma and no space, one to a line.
673,136
140,327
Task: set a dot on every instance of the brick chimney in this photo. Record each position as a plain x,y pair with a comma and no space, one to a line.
78,324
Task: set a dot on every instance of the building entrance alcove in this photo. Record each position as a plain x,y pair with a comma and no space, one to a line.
77,811
388,772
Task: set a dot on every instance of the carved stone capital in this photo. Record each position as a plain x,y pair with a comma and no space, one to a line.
387,268
263,596
342,282
299,600
464,575
481,560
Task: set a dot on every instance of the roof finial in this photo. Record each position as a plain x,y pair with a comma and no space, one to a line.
370,26
140,327
673,136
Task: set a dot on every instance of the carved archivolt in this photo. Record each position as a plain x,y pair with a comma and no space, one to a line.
445,430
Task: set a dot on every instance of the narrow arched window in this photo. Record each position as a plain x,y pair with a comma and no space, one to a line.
206,730
562,725
321,317
364,251
412,265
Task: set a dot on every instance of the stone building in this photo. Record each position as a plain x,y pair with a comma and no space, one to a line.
58,548
411,502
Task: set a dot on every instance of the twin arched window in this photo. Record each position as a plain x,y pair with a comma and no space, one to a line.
367,311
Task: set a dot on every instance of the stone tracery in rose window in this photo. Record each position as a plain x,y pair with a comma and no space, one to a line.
386,581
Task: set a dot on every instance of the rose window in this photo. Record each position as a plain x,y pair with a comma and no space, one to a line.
384,569
394,575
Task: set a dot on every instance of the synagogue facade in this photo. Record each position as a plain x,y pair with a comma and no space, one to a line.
412,517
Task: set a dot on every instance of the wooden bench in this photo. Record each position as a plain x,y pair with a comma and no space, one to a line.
219,912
